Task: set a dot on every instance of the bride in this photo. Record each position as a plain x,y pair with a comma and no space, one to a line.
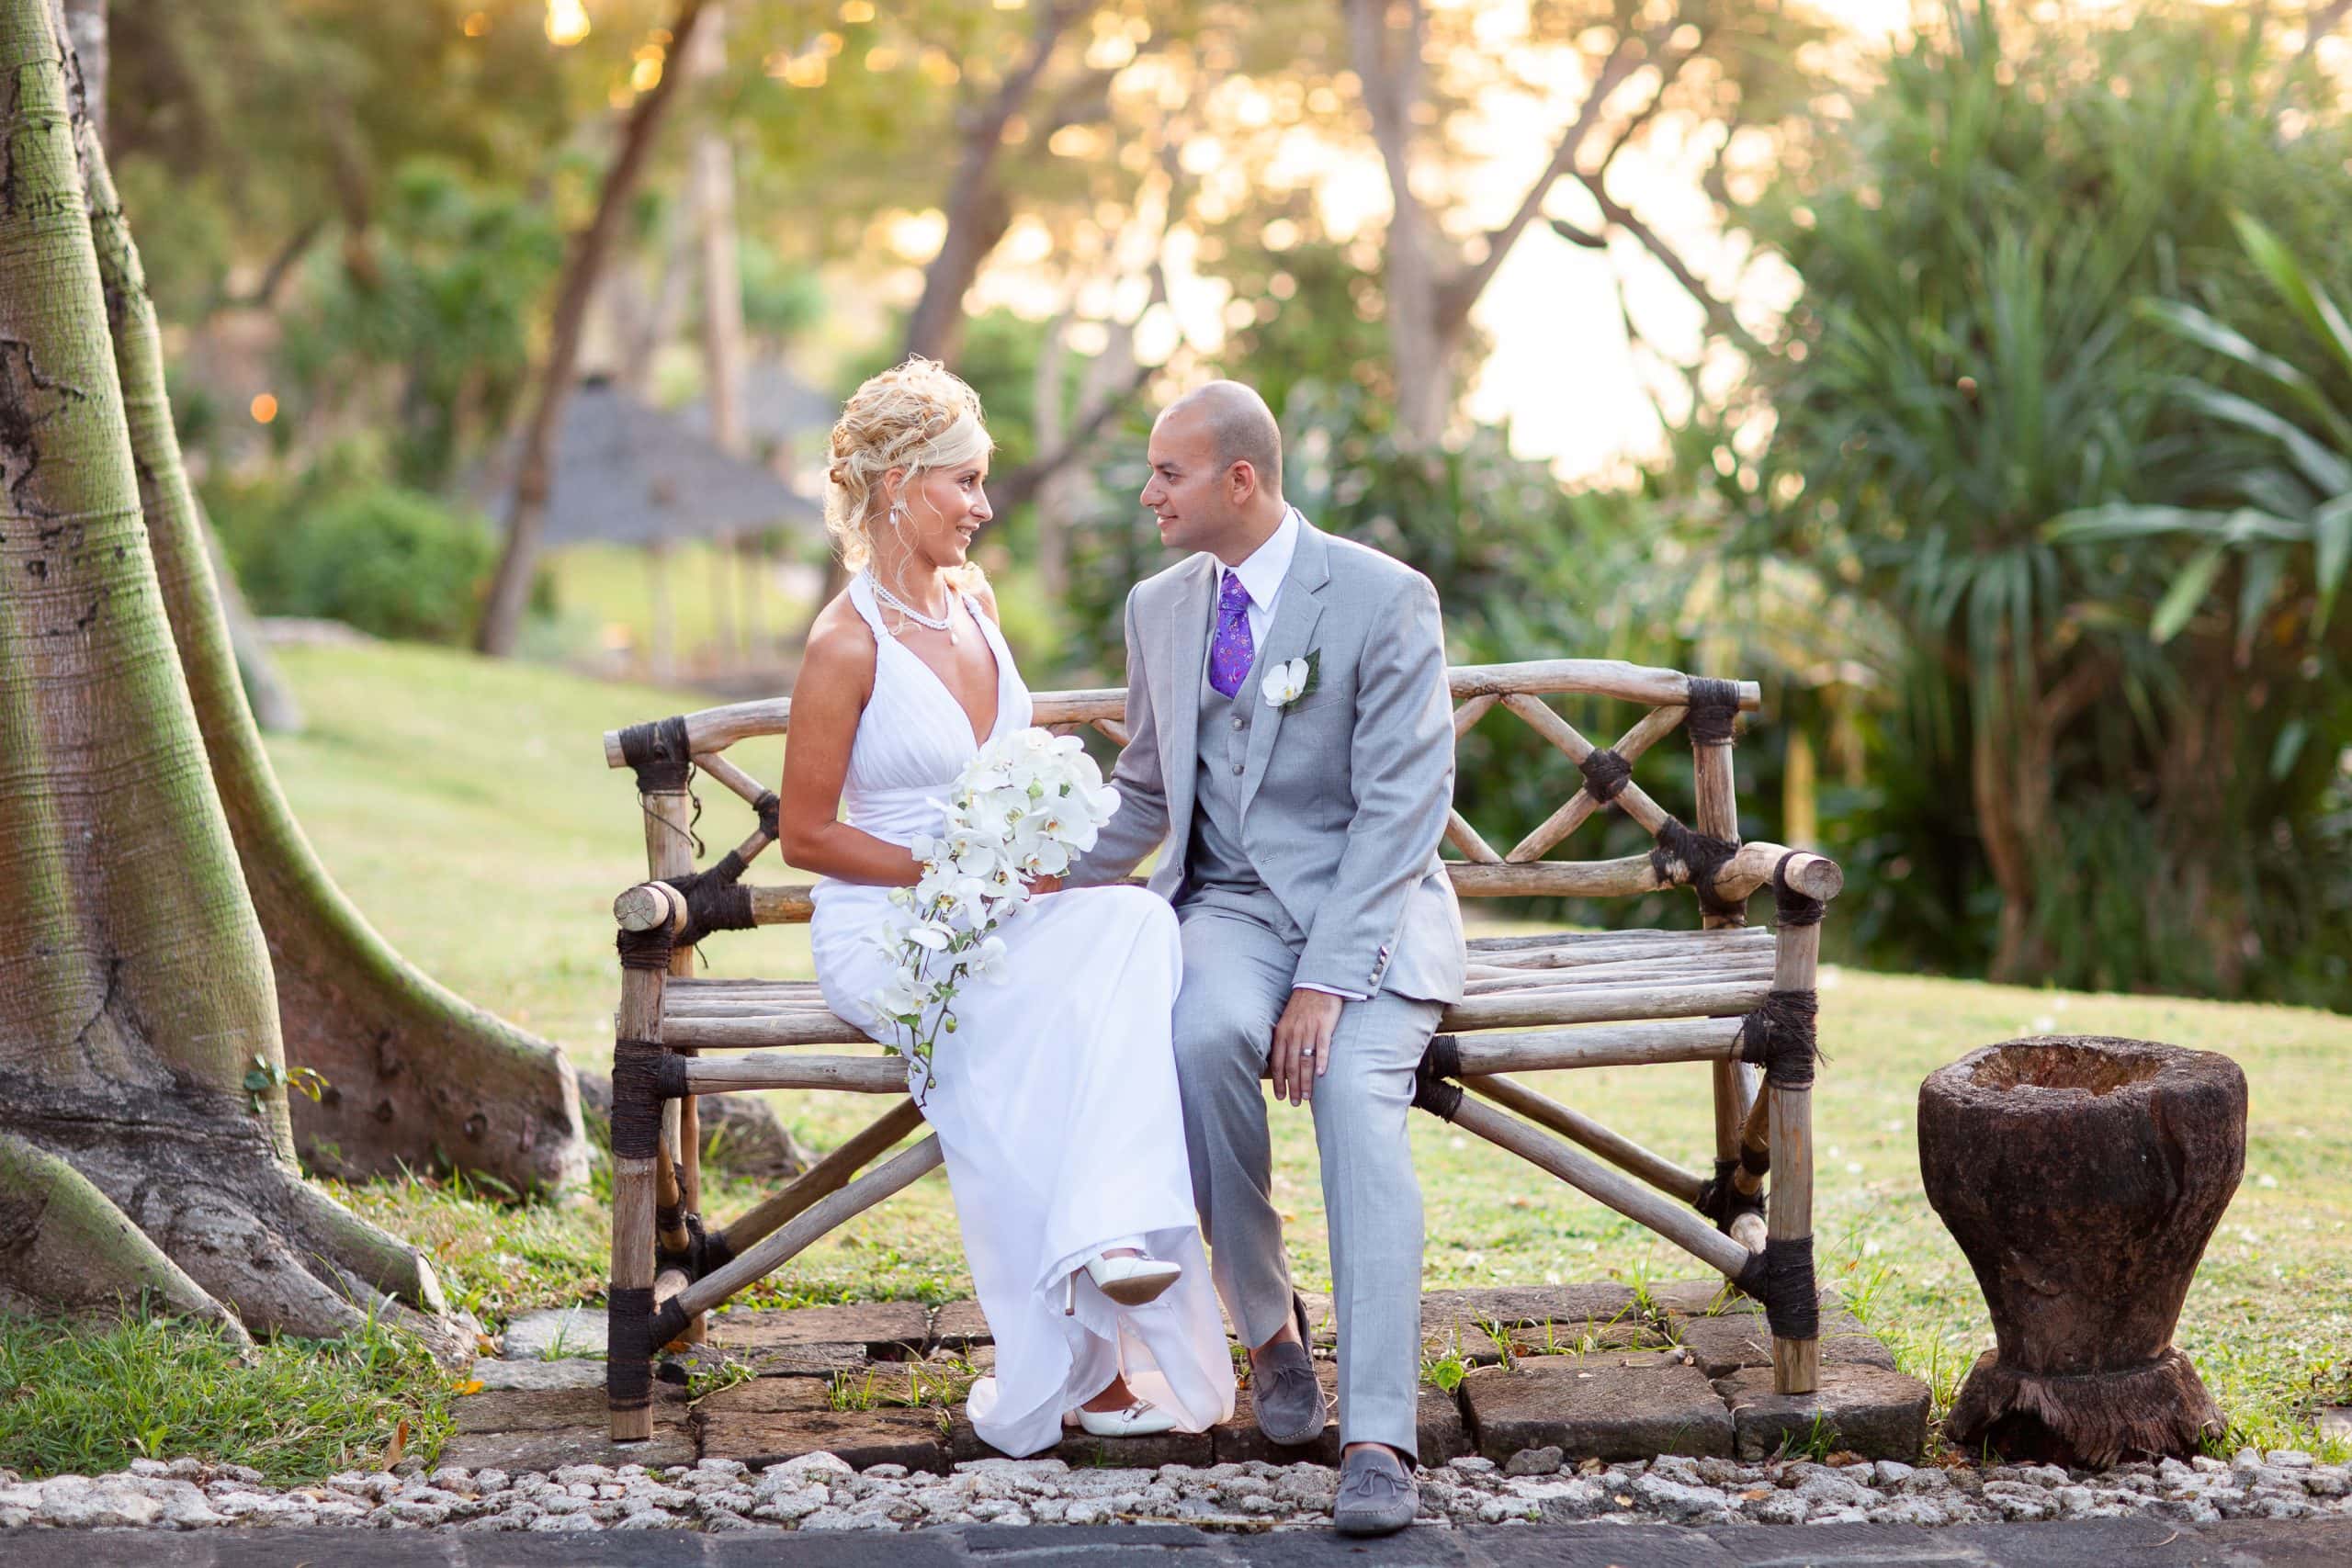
1055,1099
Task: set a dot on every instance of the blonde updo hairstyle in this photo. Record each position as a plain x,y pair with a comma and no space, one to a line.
917,416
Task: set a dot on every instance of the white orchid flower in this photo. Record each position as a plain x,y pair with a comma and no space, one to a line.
1285,683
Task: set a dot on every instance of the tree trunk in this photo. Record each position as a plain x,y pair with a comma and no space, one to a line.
85,31
978,214
2010,801
149,1142
1388,64
510,589
415,1075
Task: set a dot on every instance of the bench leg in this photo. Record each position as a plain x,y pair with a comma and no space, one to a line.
637,1140
1788,1248
628,1366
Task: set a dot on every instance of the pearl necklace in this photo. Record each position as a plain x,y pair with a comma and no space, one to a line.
945,623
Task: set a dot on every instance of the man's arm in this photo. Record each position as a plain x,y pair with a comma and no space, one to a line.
1401,765
1141,821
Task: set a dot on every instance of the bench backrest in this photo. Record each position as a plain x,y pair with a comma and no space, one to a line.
1705,851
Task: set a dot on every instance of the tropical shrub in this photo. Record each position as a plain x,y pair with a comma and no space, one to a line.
1971,360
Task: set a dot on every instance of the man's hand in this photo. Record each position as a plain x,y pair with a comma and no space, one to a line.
1303,1042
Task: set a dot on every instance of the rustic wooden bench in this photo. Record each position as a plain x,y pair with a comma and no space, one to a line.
1740,998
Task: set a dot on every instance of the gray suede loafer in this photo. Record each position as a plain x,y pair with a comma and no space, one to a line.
1284,1393
1377,1494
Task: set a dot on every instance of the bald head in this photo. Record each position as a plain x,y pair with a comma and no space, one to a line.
1216,472
1241,429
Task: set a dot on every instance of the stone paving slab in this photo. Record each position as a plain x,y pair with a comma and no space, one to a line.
818,1360
558,1331
1723,1345
1596,1304
551,1409
890,1330
958,1326
887,1434
673,1442
1867,1410
1596,1406
571,1371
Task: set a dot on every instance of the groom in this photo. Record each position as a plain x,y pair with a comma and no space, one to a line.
1291,736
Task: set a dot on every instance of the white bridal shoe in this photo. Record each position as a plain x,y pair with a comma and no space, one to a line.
1130,1282
1137,1420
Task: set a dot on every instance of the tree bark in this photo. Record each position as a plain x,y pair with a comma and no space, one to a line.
415,1075
510,589
85,31
149,1143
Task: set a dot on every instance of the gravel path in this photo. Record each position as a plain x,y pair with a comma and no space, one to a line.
819,1492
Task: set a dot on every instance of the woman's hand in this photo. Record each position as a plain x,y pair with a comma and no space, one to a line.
1043,885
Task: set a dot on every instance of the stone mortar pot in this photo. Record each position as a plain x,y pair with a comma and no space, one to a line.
2083,1177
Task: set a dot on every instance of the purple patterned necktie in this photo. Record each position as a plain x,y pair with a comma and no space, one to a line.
1231,652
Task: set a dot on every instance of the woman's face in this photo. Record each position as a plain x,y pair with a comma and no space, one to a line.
942,510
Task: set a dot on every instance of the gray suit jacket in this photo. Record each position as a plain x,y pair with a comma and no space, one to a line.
1345,794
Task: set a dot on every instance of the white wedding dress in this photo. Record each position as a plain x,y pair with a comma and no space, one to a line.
1054,1099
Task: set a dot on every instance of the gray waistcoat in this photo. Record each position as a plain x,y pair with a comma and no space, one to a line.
1216,868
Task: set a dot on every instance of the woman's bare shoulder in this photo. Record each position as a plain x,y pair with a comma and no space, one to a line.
841,647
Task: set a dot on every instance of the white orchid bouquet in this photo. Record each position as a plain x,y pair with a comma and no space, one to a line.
1023,808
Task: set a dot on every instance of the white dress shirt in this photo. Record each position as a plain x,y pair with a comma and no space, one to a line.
1262,577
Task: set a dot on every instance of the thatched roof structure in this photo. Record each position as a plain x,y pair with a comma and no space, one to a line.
629,473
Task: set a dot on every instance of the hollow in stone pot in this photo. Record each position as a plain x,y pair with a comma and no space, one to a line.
2083,1178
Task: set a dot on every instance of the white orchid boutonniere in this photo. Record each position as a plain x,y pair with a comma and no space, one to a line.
1292,680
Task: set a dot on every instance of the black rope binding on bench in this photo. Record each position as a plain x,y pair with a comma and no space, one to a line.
1431,1091
646,950
1606,773
1704,856
715,900
1779,1036
1781,1277
658,755
1791,907
644,1074
667,1325
767,808
705,1251
1791,1302
628,1377
1714,711
1721,1199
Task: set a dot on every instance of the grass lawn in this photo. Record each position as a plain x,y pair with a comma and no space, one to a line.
439,787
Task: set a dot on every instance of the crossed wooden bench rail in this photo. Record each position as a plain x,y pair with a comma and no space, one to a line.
1736,997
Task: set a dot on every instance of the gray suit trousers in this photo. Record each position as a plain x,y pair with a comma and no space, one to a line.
1237,973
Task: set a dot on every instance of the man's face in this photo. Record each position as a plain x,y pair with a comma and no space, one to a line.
1189,492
